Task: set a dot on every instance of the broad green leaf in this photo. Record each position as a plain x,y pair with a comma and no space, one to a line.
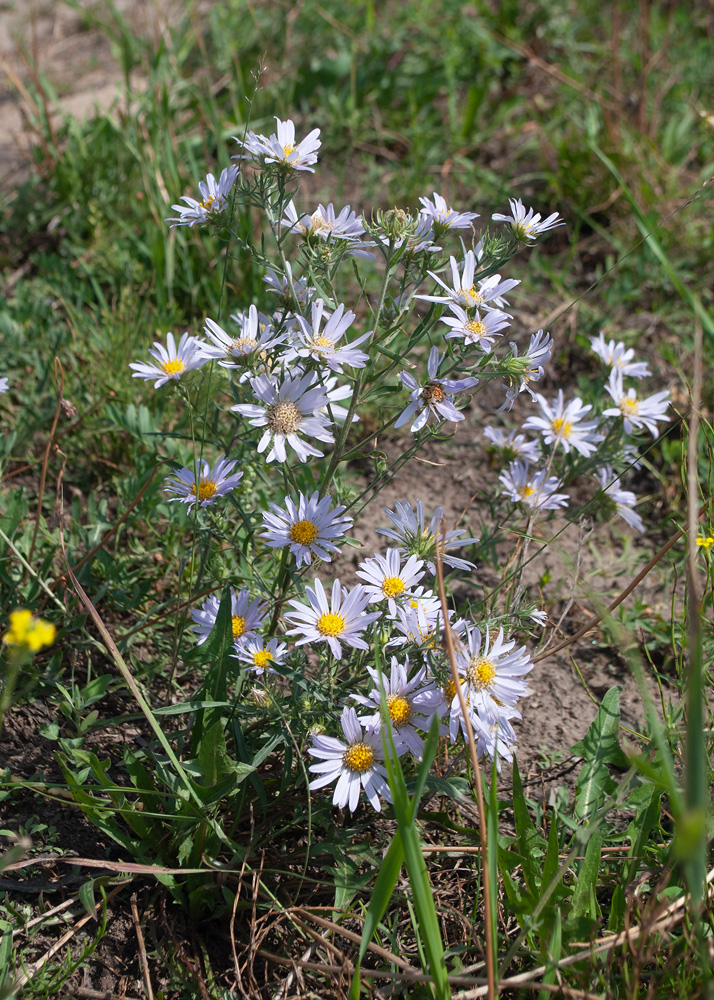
530,843
379,900
584,901
600,746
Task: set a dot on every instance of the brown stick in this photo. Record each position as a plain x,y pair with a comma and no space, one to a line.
485,875
45,461
621,597
142,948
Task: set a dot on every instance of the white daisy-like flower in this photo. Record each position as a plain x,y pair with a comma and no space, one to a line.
512,445
564,425
173,361
477,330
4,384
417,539
492,675
286,411
322,346
247,616
532,488
214,199
439,212
309,528
411,704
335,394
494,734
623,500
323,222
434,398
281,147
343,619
419,239
280,284
254,339
419,624
618,356
526,225
354,764
637,413
212,482
528,368
386,579
467,293
260,654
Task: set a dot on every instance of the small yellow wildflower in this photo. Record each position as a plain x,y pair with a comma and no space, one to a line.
26,630
707,542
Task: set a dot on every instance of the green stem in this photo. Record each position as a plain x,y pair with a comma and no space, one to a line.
340,444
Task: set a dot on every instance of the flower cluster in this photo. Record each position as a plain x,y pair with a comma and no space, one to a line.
289,376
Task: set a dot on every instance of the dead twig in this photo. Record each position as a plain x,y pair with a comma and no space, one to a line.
142,947
46,459
27,974
475,766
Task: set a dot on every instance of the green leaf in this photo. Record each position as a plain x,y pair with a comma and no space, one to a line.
530,843
86,896
600,746
584,902
381,894
616,920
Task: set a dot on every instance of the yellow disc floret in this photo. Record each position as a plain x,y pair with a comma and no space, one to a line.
206,489
475,328
481,673
238,624
629,407
174,367
358,758
303,532
26,630
261,658
331,624
392,586
207,203
562,427
400,711
284,417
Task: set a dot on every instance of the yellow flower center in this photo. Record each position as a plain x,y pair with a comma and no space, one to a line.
472,294
562,427
261,658
288,149
320,224
331,624
400,711
323,344
284,417
173,367
206,489
392,586
629,406
476,328
481,673
449,690
208,202
358,758
526,491
303,532
238,624
433,393
244,345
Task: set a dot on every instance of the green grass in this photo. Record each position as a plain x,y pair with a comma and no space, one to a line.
604,122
